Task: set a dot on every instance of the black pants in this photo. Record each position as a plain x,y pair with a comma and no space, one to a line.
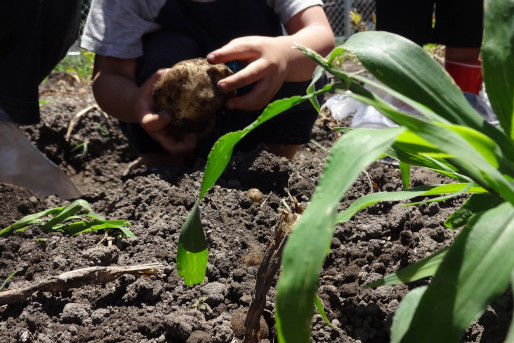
458,23
34,37
193,29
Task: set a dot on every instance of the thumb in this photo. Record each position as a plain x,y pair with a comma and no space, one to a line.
155,121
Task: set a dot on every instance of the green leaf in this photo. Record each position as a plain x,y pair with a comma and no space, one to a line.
405,171
448,139
76,207
192,251
498,60
405,312
421,269
406,68
321,310
373,198
31,219
7,280
305,249
510,334
475,204
475,271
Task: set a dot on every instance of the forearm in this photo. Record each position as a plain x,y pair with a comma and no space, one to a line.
117,96
318,38
309,28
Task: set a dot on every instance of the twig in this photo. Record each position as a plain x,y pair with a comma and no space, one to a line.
77,278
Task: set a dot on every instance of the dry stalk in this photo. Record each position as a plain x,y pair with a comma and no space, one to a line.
77,278
266,274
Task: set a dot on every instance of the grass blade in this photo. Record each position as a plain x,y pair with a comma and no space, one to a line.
413,272
306,247
2,286
405,171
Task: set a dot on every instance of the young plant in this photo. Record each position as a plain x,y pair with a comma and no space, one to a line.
73,219
451,138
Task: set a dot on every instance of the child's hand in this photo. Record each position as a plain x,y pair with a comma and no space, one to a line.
267,59
157,124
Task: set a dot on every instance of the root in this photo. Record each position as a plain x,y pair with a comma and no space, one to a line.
136,163
77,278
76,118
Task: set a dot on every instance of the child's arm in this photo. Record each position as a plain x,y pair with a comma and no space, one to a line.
272,60
116,92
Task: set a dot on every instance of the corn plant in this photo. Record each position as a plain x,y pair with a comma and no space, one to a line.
450,138
74,219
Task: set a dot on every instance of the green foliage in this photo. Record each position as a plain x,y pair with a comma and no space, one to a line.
80,65
2,286
192,250
74,219
450,138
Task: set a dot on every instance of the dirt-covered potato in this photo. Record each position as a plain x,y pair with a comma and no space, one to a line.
188,92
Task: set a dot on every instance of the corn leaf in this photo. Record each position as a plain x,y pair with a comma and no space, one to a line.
413,272
498,60
31,219
406,68
475,204
405,171
321,310
457,294
305,250
192,253
450,140
422,191
405,312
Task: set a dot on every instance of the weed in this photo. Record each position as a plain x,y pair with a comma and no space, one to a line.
2,286
80,65
74,219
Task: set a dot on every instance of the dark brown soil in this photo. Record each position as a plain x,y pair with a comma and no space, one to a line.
377,241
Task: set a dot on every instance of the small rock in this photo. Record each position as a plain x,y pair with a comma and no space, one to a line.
75,313
215,292
25,337
255,195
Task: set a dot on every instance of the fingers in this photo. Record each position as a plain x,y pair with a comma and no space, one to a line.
155,121
250,74
147,87
242,49
258,98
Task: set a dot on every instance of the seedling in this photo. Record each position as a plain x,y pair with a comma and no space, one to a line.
74,219
2,286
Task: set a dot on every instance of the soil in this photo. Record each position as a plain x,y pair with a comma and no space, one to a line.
377,241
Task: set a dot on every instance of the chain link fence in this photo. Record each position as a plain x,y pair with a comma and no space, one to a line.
345,16
349,16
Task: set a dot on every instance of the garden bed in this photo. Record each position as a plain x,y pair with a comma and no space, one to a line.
160,308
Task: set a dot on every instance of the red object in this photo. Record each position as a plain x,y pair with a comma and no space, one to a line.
468,75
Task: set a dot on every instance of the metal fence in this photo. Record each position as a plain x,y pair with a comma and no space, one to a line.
350,16
345,16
